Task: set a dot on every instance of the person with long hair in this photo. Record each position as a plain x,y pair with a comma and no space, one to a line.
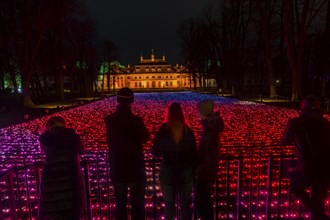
175,143
62,193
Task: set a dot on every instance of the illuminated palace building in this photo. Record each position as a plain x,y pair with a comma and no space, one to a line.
150,74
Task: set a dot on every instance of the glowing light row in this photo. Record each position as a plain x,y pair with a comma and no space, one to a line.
246,124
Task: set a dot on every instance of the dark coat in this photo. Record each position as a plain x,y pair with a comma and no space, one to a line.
208,149
126,133
178,160
62,187
311,134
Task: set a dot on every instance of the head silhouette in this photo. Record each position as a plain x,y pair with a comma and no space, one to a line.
176,121
54,122
310,102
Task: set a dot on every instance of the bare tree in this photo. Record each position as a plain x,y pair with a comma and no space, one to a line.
298,17
266,10
190,33
235,24
110,55
32,23
324,53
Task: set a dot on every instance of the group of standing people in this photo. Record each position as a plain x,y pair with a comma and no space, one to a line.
62,190
182,161
175,143
185,166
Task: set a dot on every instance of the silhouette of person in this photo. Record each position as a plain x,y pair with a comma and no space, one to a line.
310,134
126,133
175,143
62,188
208,158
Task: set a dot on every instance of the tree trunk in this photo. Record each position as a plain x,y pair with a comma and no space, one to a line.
265,14
272,88
114,82
325,53
27,101
2,79
45,88
61,85
102,85
291,50
108,82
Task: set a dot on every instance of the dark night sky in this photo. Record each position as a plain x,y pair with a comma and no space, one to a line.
137,26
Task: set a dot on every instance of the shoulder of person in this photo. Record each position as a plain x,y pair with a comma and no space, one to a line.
108,117
189,130
295,120
163,127
43,136
138,119
70,130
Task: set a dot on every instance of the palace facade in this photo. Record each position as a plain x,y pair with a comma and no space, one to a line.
149,74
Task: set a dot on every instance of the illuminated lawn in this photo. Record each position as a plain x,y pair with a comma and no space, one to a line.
246,123
247,126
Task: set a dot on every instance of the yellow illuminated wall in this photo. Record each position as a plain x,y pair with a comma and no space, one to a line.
150,74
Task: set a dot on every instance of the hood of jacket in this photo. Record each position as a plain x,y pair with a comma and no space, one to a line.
213,122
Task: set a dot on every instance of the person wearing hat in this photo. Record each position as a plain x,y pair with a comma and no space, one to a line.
208,157
62,194
310,134
125,135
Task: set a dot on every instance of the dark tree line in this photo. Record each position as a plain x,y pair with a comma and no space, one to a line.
51,45
45,46
256,43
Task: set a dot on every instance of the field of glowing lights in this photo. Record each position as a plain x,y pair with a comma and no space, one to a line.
252,131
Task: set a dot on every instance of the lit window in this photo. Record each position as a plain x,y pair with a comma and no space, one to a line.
171,84
166,83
